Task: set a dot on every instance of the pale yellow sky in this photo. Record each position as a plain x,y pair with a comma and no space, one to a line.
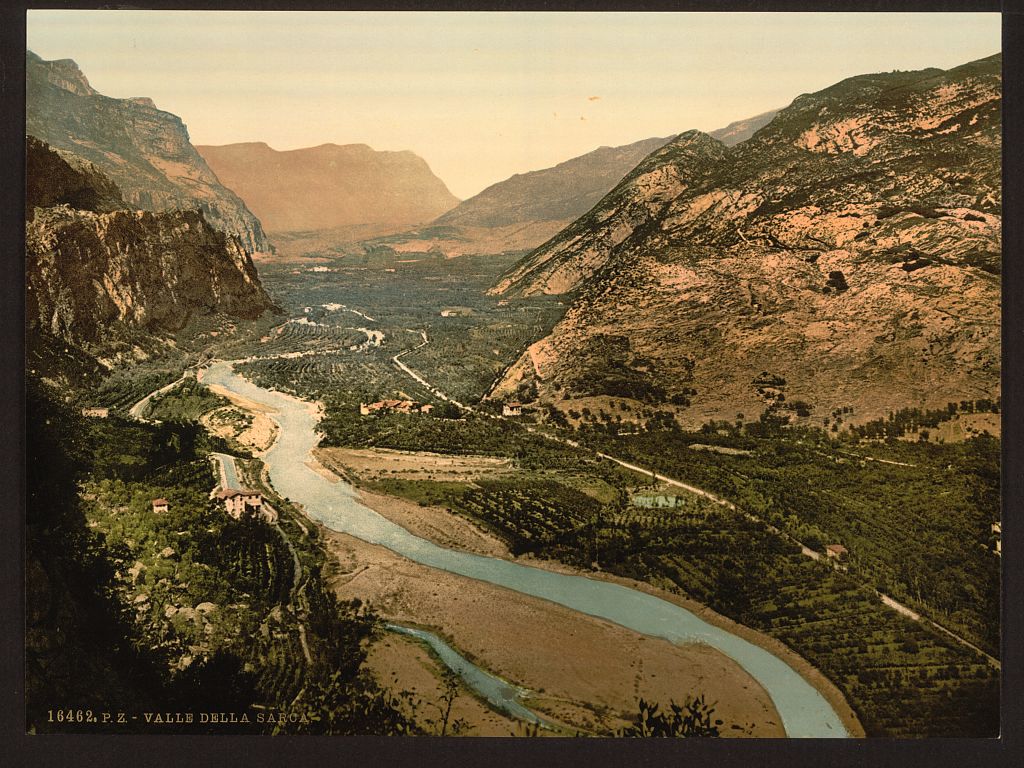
481,96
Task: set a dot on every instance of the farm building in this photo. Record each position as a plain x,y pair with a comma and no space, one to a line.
394,406
837,551
241,501
512,409
96,413
160,505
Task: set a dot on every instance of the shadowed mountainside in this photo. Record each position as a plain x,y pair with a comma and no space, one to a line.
99,273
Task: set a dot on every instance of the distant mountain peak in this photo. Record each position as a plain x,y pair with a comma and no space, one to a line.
330,185
740,130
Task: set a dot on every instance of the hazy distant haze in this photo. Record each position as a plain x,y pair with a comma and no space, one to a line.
481,96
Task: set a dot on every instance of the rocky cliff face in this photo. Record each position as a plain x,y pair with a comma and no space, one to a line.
330,186
97,271
143,150
851,249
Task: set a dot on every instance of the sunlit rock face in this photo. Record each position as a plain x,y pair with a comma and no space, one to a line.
94,266
851,247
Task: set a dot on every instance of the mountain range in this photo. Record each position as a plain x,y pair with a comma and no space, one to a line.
330,186
847,254
144,150
526,209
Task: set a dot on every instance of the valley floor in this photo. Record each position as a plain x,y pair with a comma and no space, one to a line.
583,672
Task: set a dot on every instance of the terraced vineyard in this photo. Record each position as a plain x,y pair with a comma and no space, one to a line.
346,378
257,560
466,354
303,334
903,678
919,529
186,402
529,515
123,389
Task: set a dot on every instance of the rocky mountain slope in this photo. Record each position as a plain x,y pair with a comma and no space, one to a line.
848,254
524,211
562,192
330,186
99,273
142,149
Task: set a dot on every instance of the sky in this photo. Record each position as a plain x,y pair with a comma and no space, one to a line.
484,95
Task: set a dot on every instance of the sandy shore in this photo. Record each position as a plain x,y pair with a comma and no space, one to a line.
457,532
242,402
404,663
584,672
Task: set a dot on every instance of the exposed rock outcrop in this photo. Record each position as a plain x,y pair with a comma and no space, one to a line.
96,269
851,246
142,149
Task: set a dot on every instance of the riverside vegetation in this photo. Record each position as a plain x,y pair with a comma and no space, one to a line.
190,610
917,528
187,610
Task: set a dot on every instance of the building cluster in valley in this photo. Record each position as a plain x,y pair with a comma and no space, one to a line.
394,406
243,502
238,503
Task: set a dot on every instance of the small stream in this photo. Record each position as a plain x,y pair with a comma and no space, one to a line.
501,695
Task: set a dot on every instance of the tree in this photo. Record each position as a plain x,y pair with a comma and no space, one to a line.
447,410
692,718
445,724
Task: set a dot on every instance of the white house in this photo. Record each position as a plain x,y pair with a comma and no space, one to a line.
241,501
512,409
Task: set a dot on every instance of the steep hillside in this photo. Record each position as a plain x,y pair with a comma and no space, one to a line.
330,186
143,150
99,274
560,193
584,246
846,255
525,210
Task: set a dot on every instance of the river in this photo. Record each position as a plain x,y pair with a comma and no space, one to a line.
804,711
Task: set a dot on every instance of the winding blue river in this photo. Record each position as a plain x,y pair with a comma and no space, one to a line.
804,711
